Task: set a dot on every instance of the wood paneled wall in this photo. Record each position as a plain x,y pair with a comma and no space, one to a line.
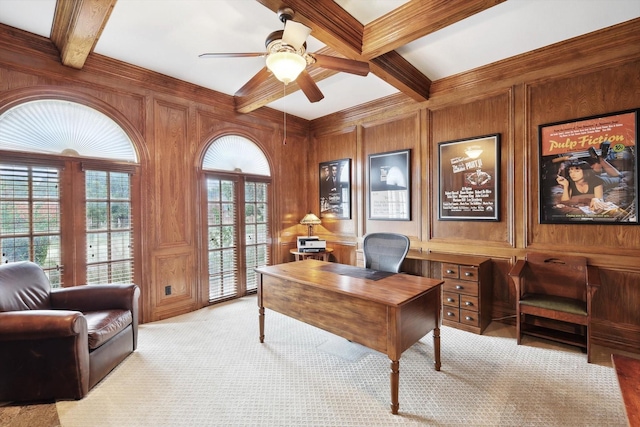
172,123
511,98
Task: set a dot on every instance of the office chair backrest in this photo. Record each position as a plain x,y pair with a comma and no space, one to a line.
385,251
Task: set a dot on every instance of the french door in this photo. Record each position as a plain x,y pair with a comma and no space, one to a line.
237,234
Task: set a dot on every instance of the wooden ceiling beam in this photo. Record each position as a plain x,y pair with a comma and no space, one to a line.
77,25
399,73
329,23
336,28
414,20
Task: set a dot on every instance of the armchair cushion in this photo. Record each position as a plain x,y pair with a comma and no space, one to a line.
104,325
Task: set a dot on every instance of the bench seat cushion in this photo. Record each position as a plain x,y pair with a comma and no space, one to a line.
105,324
553,302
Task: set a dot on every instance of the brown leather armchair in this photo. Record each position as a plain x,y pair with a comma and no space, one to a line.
59,343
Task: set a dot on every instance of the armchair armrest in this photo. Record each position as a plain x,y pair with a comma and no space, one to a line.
100,297
41,324
44,354
97,297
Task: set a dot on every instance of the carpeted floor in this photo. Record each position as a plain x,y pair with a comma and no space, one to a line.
207,368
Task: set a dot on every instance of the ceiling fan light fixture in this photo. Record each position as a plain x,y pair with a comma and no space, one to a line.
286,66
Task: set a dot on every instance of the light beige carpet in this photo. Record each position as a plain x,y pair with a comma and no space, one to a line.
207,368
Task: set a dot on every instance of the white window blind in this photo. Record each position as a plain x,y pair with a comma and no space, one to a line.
222,246
30,217
109,227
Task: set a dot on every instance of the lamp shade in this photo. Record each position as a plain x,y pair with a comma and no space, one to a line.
286,66
310,219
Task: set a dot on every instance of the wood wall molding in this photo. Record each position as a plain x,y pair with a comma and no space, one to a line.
174,219
602,49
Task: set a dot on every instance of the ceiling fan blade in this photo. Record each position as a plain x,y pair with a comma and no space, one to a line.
309,87
231,55
342,64
254,82
295,34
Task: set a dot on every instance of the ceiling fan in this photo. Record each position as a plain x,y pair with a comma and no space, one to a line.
287,58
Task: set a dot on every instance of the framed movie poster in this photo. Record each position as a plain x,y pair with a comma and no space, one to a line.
589,170
469,174
389,186
335,189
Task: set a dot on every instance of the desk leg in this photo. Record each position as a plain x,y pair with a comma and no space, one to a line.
261,322
395,383
436,347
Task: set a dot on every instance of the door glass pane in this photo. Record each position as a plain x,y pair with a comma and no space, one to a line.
256,230
108,227
30,217
222,247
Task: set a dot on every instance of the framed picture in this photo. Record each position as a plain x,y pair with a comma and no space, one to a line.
389,186
469,175
335,189
589,170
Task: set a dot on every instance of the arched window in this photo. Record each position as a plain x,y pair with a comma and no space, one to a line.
238,231
62,127
84,234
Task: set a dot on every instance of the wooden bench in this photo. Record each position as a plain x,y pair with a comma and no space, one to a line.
555,295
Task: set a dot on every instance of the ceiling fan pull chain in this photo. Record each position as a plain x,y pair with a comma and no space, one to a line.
284,97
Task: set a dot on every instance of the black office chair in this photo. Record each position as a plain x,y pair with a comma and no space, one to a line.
385,251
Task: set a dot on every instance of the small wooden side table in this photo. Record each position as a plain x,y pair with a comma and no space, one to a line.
322,256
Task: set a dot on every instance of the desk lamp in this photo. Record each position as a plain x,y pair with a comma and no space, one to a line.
310,220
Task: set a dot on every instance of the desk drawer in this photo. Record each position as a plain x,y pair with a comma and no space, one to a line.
469,272
468,302
469,318
451,314
461,286
450,271
451,299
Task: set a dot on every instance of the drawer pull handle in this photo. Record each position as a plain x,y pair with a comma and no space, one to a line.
468,274
450,271
469,303
468,318
459,287
450,313
450,299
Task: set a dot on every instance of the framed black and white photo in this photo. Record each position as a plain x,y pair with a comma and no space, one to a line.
589,170
335,189
469,174
389,186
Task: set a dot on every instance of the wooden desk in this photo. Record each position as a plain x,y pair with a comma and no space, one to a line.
301,256
628,372
383,311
